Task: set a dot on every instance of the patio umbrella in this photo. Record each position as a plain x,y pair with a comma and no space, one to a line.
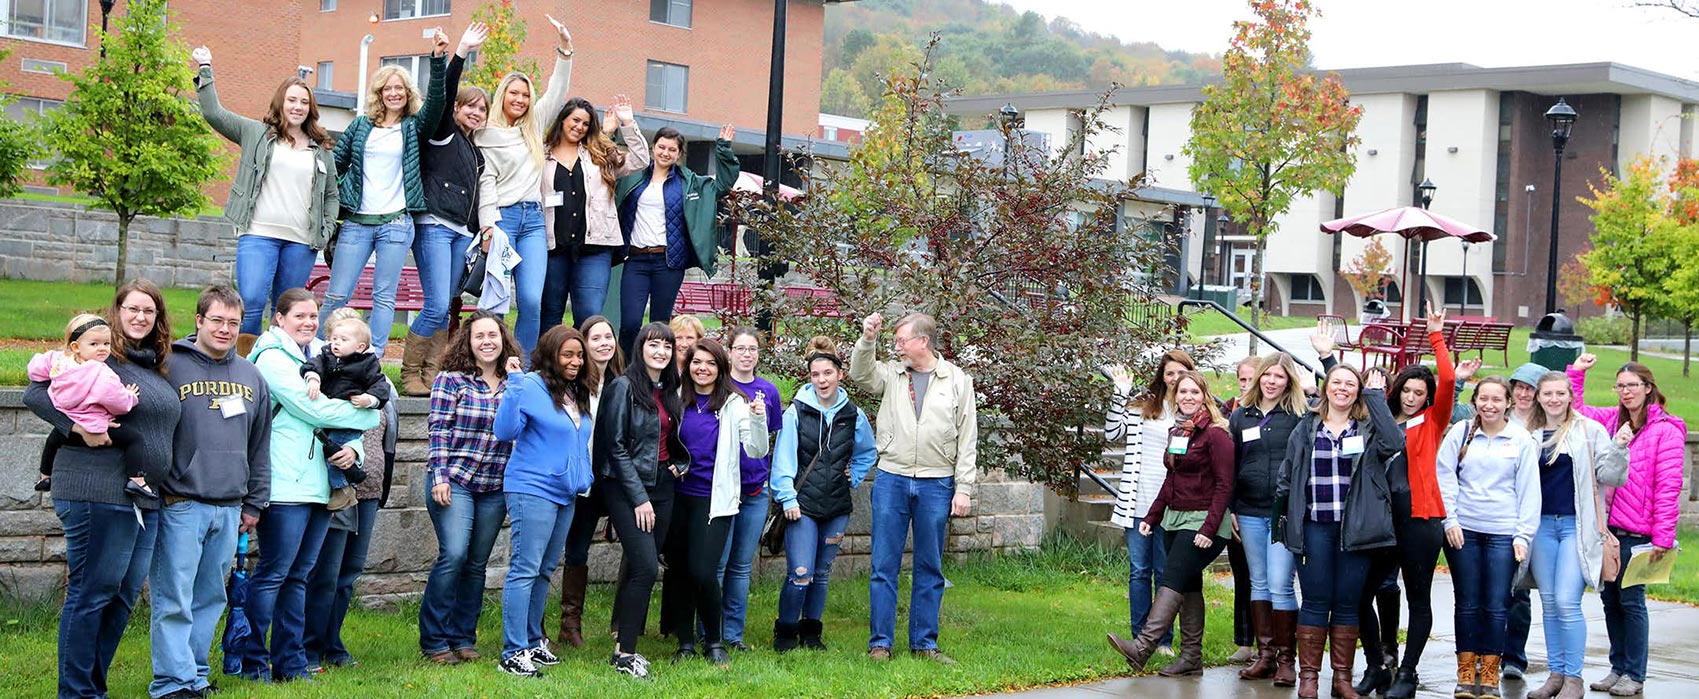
751,182
1409,222
236,627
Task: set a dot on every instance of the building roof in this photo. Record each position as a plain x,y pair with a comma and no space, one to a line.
1564,79
746,141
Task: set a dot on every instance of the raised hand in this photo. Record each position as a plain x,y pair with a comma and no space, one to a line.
565,36
472,38
1586,361
1624,435
439,42
1118,373
758,406
870,326
514,365
1322,339
1466,370
728,132
202,56
1436,319
622,108
1374,379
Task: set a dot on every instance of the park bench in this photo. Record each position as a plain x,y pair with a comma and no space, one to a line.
715,297
1482,338
409,294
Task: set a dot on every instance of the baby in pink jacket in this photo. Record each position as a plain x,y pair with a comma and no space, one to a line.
88,392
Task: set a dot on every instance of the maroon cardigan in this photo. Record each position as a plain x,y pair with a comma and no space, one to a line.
1200,479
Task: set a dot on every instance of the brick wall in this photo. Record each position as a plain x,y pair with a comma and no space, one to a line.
66,242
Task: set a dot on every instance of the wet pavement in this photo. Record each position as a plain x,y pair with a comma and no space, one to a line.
1672,673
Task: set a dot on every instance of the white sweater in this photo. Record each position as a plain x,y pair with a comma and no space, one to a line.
1142,467
513,174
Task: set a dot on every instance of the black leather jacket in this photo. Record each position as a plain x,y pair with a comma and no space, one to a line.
628,443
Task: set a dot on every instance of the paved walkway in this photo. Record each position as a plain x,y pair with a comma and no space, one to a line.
1675,632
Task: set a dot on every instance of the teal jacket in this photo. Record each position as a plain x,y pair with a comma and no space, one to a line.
701,200
351,147
256,140
298,474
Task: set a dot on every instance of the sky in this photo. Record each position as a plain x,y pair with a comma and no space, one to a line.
1361,33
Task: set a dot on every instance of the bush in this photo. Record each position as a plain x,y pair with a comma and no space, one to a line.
1604,330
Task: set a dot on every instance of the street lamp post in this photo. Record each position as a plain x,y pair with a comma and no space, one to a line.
1209,234
1221,248
1463,305
1009,115
1562,118
766,270
1426,188
105,12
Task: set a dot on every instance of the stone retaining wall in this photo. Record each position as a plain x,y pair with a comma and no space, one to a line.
54,241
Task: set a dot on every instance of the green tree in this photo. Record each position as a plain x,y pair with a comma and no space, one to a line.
17,144
841,94
500,53
1680,299
1269,131
853,43
128,135
1633,241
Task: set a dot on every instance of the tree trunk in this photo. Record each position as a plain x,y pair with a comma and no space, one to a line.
123,250
1634,339
1256,289
1686,346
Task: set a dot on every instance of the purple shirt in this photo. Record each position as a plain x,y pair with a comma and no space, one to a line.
755,471
700,432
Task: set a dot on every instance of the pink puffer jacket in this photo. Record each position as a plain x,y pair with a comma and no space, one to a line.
1650,502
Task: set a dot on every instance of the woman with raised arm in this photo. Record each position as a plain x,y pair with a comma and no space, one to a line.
739,559
1271,407
283,198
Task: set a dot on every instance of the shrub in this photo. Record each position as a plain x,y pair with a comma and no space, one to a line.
1604,330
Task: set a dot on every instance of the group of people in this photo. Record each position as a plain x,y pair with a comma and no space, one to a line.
1369,480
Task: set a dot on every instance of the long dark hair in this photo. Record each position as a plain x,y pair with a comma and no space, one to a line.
601,148
1414,372
638,374
723,387
545,359
310,127
458,357
616,363
1654,397
158,342
1155,396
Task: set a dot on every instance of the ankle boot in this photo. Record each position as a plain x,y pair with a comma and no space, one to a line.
1312,641
573,580
808,634
413,352
245,344
1467,675
1553,685
1404,684
1163,609
1487,680
1262,620
1285,647
1190,661
784,637
1377,674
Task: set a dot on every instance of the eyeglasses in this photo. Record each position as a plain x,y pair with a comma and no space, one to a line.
138,310
228,323
900,340
746,350
1628,386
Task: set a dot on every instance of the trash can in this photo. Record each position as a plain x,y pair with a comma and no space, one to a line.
1220,294
1554,344
1374,310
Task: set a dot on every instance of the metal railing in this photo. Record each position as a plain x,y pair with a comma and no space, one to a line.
1205,303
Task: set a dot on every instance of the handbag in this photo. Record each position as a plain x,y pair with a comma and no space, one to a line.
1610,564
773,533
472,276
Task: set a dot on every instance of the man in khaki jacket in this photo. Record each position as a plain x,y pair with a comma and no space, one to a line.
928,451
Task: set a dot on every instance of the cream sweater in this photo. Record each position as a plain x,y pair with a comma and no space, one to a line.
512,173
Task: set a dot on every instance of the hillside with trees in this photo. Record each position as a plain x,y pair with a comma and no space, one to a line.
986,48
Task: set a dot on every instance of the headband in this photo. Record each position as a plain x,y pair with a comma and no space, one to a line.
85,327
834,359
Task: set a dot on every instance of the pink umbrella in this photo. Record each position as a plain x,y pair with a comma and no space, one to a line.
1409,222
751,182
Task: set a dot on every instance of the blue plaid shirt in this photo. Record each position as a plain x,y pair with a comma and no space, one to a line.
461,425
1330,474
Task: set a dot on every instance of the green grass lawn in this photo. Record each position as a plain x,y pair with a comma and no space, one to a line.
209,210
1684,582
1205,323
1013,622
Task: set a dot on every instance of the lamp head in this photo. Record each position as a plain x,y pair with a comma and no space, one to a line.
1427,188
1562,117
1208,201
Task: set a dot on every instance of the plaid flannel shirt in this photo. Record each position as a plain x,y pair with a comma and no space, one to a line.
463,444
1330,473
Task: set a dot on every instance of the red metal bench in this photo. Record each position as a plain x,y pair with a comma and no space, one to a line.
712,297
1386,343
1342,341
409,294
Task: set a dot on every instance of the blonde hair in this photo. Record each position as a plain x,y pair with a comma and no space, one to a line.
1210,404
1359,409
79,321
374,99
1538,421
527,124
1292,399
681,323
345,315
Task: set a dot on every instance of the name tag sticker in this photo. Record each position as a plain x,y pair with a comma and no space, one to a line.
554,199
1353,445
318,164
1507,450
1251,434
231,406
1415,422
1177,445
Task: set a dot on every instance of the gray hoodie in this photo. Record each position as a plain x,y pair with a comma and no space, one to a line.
219,460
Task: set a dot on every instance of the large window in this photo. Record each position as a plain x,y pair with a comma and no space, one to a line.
674,12
408,9
62,21
419,66
27,109
1305,287
327,74
1457,287
668,87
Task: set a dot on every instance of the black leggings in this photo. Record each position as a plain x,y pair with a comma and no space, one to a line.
1186,562
691,586
124,437
1419,541
1244,633
640,548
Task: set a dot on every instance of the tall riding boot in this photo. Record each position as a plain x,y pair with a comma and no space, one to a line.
433,357
1262,620
1488,677
1312,641
245,344
573,581
1285,647
1190,661
413,351
1342,649
1163,609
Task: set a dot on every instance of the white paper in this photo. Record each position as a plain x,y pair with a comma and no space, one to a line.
1177,444
231,406
1353,445
1415,422
1251,434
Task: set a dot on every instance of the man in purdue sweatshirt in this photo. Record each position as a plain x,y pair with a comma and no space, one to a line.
219,483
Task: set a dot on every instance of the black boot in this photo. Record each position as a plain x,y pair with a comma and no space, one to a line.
784,637
716,653
1403,684
808,633
1376,677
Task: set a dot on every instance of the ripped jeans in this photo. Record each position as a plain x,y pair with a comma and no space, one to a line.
810,546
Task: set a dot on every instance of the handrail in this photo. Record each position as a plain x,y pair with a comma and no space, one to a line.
1206,303
1099,480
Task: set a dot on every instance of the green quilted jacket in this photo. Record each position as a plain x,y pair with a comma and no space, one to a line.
353,141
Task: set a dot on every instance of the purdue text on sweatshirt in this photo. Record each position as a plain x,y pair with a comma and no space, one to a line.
222,451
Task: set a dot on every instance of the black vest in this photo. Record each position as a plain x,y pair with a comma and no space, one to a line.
826,493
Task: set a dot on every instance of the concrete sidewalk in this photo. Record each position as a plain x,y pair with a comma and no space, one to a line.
1675,633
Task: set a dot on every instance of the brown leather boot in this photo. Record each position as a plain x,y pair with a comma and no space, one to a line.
573,580
1487,679
1467,676
1285,623
1190,661
1342,650
433,357
413,351
1163,609
245,344
1312,640
1262,620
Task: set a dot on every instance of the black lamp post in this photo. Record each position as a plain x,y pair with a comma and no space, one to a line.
1562,117
766,270
105,12
1426,188
1221,222
1209,233
1009,115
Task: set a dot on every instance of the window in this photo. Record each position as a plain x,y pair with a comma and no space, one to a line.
1455,288
36,65
1305,287
673,12
327,5
61,21
25,109
667,87
829,133
419,66
327,73
408,9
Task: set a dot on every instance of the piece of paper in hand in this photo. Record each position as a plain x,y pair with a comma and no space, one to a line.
1641,570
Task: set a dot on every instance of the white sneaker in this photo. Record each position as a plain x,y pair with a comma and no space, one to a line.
635,665
541,655
519,664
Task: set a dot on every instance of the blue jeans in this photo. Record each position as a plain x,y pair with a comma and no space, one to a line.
265,268
1556,564
107,557
539,539
354,245
1626,621
290,538
1271,565
331,589
1332,579
584,278
440,253
647,283
1481,572
899,502
454,593
1147,556
196,549
810,547
523,223
737,561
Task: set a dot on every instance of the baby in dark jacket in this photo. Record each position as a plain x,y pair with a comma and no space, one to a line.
347,370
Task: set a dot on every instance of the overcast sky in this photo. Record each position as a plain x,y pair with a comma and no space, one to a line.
1358,33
